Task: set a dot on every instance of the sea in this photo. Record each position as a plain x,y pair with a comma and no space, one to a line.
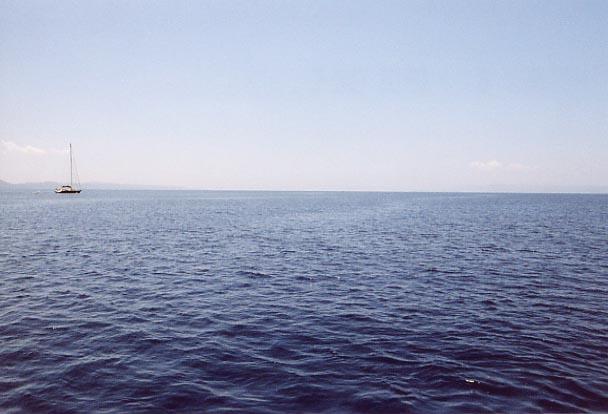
303,302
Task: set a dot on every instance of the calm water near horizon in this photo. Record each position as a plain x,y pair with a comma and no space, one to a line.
272,302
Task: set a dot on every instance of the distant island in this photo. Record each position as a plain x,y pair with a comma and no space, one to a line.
50,185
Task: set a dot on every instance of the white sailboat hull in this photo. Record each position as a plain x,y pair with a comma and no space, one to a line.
64,190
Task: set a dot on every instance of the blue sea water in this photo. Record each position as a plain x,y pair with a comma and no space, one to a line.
269,302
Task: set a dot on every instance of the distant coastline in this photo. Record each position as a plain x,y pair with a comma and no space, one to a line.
50,185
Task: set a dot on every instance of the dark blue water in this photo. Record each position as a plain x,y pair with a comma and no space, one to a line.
115,302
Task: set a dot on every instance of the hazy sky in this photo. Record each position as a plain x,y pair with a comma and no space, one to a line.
354,95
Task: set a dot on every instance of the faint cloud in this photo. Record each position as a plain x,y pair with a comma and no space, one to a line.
494,165
486,165
10,146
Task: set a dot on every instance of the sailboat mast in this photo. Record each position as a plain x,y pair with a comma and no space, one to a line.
71,180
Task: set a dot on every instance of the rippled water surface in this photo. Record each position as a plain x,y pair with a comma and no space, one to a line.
123,301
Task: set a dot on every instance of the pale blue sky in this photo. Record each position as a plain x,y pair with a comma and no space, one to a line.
375,95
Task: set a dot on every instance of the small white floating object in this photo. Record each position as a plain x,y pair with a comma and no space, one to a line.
470,381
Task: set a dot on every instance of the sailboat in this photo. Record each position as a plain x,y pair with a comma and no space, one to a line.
70,189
